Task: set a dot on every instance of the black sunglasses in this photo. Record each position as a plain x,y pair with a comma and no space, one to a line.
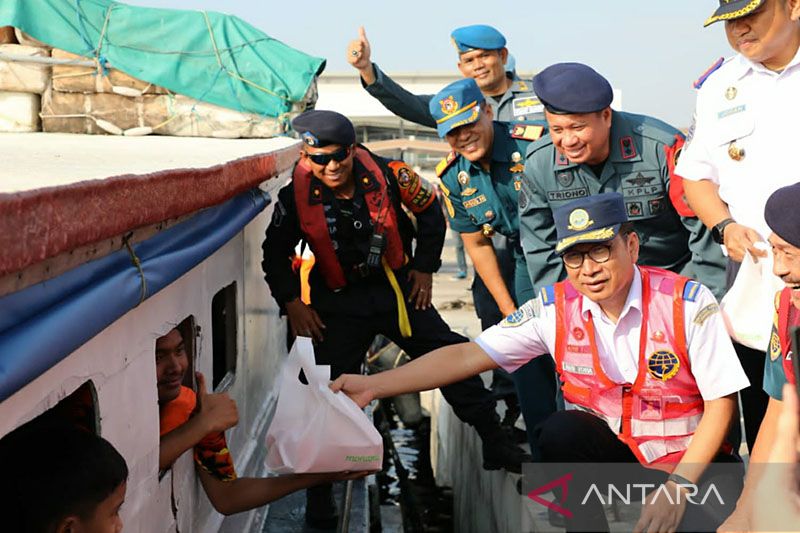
323,159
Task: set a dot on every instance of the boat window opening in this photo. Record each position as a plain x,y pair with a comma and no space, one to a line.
224,325
188,330
78,409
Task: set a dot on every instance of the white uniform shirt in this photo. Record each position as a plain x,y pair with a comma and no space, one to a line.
714,364
758,110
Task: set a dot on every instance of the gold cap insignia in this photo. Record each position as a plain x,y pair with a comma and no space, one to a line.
449,105
579,220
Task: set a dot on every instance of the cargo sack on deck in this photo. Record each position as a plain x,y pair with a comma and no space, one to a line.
314,429
748,307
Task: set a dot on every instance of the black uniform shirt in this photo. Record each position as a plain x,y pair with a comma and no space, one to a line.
351,243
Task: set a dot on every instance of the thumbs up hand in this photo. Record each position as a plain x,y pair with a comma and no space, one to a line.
217,411
359,54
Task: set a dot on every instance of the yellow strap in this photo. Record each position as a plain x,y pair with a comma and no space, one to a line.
402,312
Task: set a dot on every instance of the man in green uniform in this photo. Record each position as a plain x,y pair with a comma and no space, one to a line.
482,56
480,184
592,149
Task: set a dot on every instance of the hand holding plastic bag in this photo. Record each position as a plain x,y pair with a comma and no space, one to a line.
314,429
749,305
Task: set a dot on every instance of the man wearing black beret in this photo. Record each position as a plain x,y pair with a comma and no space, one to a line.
347,205
783,219
592,149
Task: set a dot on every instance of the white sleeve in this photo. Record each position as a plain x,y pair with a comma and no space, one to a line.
520,337
715,366
695,162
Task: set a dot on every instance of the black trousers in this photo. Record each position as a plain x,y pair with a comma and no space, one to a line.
580,437
754,399
367,310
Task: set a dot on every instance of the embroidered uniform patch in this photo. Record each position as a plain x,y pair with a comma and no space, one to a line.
478,200
663,365
774,346
529,310
705,313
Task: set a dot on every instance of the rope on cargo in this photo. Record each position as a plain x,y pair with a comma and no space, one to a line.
98,57
138,264
235,75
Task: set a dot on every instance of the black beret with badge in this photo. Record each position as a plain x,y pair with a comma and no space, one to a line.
318,128
781,214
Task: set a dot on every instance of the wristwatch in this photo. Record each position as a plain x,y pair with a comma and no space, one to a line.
718,231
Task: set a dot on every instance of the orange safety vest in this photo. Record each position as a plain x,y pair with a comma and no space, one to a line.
656,415
314,226
786,317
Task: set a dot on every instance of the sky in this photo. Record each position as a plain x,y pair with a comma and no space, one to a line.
651,50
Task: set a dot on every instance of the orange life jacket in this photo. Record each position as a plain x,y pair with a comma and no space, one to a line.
656,415
311,214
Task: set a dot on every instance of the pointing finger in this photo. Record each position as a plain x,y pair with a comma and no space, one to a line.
362,34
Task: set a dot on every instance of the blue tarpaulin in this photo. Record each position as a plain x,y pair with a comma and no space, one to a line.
44,323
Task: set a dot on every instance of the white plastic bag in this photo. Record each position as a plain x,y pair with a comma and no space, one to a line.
314,429
749,305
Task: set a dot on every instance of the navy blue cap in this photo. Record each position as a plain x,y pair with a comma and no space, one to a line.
595,218
477,36
733,9
320,128
572,88
782,215
456,105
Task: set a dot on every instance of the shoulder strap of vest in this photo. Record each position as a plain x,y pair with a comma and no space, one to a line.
445,163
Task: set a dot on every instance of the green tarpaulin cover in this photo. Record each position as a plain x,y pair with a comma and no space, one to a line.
209,56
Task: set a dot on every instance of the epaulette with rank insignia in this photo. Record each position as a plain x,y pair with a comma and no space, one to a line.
548,295
445,163
702,79
527,132
690,291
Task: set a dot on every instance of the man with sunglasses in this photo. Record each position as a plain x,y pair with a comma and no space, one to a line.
347,204
643,354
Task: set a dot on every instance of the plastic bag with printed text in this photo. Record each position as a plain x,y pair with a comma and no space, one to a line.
315,429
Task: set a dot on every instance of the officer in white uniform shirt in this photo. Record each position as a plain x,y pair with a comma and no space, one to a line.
631,344
741,147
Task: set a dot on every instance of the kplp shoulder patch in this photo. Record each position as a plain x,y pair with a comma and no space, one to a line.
415,192
527,311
